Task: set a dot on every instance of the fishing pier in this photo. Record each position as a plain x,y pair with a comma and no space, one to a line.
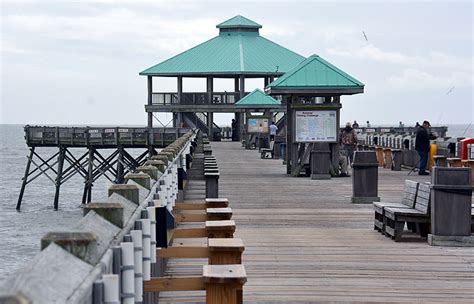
192,218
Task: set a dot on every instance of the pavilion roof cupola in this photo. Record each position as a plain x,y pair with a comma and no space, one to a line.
238,24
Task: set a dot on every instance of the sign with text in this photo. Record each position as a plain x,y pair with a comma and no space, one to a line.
315,126
257,125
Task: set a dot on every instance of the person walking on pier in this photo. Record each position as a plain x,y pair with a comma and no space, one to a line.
422,145
355,125
348,141
273,131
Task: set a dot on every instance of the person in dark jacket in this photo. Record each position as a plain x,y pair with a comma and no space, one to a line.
422,145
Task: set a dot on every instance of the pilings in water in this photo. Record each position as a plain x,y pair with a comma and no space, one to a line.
96,261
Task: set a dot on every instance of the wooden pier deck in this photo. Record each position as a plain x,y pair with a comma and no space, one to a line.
305,241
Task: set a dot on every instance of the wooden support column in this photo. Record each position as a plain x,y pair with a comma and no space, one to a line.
120,169
59,176
241,120
150,92
25,178
210,118
289,134
179,118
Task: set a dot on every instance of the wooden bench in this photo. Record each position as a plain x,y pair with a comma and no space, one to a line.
395,218
264,152
222,283
408,201
210,214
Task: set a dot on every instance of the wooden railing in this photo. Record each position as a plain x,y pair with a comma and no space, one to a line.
195,98
102,136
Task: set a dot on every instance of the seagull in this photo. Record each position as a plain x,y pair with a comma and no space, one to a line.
365,36
450,90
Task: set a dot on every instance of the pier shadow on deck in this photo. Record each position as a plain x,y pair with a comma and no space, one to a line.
306,242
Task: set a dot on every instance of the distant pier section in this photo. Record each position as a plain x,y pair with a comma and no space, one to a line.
101,137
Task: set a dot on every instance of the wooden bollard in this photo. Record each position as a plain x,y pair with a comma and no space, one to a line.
225,251
208,203
212,184
150,170
396,159
223,283
142,179
380,156
387,158
79,244
365,178
113,212
130,192
207,150
454,162
440,160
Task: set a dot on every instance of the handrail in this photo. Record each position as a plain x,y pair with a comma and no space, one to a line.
97,260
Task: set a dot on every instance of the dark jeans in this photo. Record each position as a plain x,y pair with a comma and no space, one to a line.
423,160
349,150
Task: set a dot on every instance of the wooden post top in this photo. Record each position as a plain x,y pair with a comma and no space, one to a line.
224,274
155,162
210,225
225,244
68,238
219,210
111,211
123,187
217,200
137,176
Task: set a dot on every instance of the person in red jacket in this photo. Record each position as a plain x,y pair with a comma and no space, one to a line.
422,145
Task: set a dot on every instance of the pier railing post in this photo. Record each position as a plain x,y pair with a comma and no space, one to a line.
130,192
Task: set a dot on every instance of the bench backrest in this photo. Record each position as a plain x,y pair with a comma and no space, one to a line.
423,199
409,193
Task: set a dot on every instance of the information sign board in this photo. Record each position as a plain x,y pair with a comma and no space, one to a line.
257,125
316,126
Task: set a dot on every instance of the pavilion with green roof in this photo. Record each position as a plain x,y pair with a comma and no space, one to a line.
238,52
258,100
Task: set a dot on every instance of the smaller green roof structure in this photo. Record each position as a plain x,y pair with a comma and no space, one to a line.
258,99
238,22
315,75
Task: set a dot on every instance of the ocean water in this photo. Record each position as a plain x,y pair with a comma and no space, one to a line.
21,231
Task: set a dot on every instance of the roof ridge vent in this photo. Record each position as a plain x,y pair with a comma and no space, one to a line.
238,24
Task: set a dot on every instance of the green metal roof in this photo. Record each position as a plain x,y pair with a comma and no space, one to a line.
257,99
229,54
239,21
315,73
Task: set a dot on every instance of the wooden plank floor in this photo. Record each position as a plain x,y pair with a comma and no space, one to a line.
305,241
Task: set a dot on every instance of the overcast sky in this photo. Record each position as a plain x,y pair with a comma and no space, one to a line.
65,62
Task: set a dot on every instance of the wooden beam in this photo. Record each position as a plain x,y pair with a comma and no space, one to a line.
190,217
184,252
190,232
174,284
